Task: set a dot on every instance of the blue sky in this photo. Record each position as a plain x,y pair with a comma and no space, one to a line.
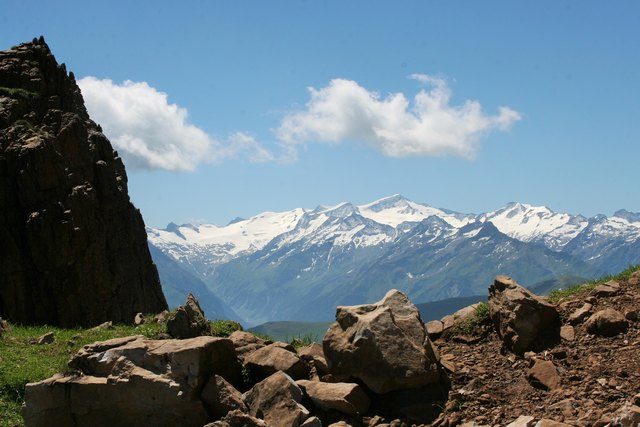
238,131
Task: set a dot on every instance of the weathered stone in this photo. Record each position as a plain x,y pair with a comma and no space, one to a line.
522,421
269,359
434,328
627,416
580,314
246,343
4,326
384,344
134,397
277,400
631,315
523,321
551,423
313,352
190,362
74,249
420,405
544,374
189,320
47,338
104,325
237,418
138,319
608,289
347,398
567,333
607,322
220,397
162,316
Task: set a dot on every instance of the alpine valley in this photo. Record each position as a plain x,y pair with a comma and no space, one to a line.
301,264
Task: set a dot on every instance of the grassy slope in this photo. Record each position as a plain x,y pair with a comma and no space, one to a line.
287,331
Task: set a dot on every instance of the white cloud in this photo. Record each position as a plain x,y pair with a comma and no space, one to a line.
428,126
151,133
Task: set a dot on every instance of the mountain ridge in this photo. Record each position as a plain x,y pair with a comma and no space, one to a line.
299,264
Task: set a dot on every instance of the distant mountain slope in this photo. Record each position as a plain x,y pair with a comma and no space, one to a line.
300,264
177,283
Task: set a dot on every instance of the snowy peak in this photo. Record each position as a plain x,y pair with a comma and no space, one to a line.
397,209
530,223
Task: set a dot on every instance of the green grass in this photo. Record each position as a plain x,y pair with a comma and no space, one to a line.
224,328
560,294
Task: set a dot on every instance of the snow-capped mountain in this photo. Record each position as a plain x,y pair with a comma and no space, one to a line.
299,264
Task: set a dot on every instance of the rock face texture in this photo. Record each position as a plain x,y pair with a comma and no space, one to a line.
523,320
74,249
383,344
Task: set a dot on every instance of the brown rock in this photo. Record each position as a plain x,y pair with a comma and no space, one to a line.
267,360
634,279
277,398
237,418
521,318
608,289
580,314
347,398
627,416
246,343
522,421
607,322
74,248
314,353
567,333
220,397
189,320
384,344
47,338
189,362
138,319
105,325
312,422
544,374
550,423
631,315
434,328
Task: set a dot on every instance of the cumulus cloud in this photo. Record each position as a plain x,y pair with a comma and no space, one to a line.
427,126
151,133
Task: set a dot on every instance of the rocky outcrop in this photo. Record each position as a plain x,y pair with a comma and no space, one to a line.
277,399
74,248
133,381
523,320
385,345
188,321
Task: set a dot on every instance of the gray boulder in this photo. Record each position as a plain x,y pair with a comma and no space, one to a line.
523,320
383,344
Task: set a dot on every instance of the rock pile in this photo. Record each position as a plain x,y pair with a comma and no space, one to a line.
194,381
74,248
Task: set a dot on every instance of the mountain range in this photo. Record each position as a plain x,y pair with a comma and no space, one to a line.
301,264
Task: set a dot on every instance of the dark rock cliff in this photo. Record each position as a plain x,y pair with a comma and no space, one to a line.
73,248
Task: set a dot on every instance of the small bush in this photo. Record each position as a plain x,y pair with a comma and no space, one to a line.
224,328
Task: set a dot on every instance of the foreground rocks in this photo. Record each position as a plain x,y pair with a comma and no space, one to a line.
385,345
585,379
74,248
523,321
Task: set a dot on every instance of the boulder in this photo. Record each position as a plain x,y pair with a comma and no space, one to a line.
189,320
383,344
246,343
269,359
347,398
133,381
543,374
579,315
313,353
434,328
523,421
190,362
608,289
276,399
220,397
567,333
607,322
47,338
74,248
523,320
133,397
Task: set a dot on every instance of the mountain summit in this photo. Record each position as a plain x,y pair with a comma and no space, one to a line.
74,250
301,263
